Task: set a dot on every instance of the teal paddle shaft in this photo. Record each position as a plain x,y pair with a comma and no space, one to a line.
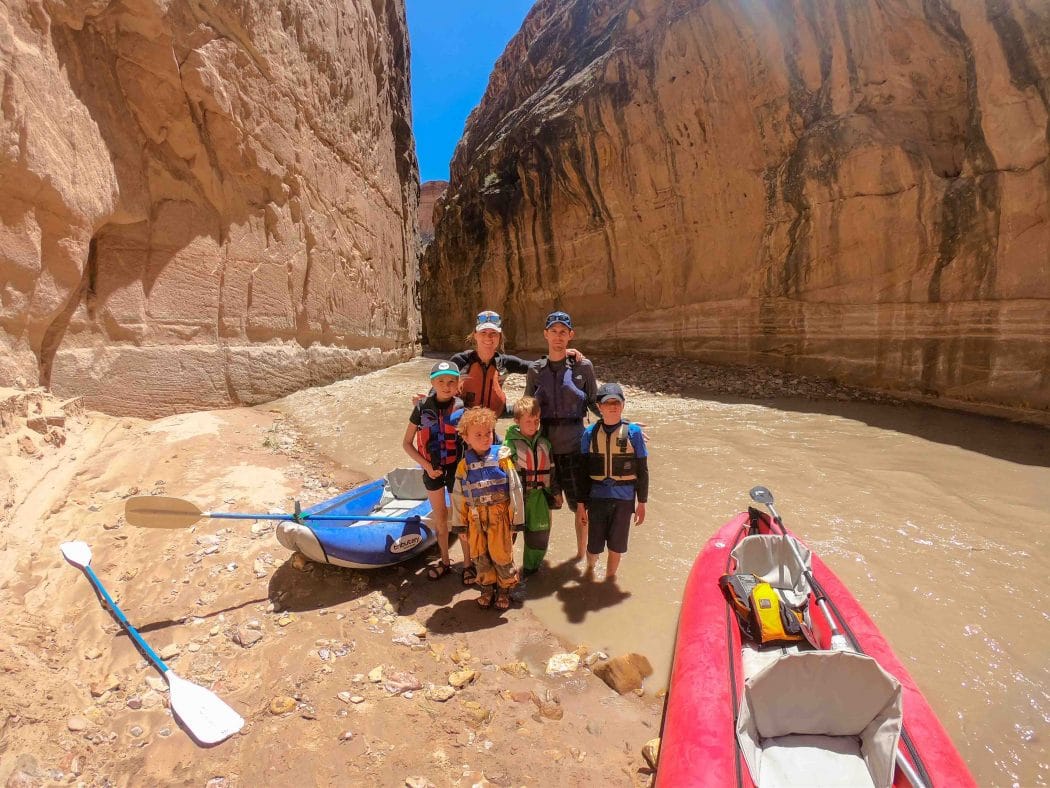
118,614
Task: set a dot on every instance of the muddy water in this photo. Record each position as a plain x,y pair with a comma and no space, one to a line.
937,521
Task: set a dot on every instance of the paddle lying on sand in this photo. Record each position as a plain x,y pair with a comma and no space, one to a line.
160,511
763,496
208,719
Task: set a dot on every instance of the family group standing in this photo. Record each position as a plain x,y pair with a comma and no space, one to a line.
547,458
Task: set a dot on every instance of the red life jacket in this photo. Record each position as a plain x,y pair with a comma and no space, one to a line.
436,436
479,386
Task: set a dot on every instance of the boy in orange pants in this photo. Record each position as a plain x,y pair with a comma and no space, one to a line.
487,502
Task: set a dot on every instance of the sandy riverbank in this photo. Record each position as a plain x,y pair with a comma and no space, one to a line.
79,705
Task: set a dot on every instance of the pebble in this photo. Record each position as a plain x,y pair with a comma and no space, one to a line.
346,736
418,782
246,638
157,683
194,647
282,704
254,624
561,664
110,682
651,752
344,697
135,703
375,675
92,653
357,699
164,732
461,678
517,669
136,731
170,651
410,627
440,693
77,724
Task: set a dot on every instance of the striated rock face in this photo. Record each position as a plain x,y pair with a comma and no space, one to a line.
203,203
429,193
854,190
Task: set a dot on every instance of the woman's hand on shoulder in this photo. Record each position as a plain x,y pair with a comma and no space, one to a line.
576,356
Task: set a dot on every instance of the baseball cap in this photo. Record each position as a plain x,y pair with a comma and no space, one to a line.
489,321
610,391
444,368
559,317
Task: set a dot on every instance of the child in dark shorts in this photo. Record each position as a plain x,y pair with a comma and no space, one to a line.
618,475
431,439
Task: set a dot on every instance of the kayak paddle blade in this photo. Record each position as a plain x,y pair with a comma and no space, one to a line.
761,495
77,553
160,511
207,717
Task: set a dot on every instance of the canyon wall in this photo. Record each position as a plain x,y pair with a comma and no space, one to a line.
204,203
429,193
851,190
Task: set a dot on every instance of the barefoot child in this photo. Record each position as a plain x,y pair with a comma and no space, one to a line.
618,471
432,441
531,453
487,502
564,387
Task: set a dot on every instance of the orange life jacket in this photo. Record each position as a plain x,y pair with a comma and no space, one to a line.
479,386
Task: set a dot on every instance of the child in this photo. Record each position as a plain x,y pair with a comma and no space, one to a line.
487,502
618,472
531,453
565,388
432,441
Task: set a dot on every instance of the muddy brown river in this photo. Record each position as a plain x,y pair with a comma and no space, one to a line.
937,521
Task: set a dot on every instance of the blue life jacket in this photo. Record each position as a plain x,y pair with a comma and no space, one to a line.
486,482
560,399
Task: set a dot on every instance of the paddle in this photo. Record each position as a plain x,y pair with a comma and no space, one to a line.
763,496
160,511
208,719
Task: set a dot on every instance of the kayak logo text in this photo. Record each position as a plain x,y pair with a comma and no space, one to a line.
405,543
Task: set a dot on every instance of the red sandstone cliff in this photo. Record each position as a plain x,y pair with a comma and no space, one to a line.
203,203
856,190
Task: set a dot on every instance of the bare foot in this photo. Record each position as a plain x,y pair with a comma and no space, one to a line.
579,557
610,578
588,573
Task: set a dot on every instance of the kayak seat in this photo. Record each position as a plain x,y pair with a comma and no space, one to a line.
406,484
769,556
820,718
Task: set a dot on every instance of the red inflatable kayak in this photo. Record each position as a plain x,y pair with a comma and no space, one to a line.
705,719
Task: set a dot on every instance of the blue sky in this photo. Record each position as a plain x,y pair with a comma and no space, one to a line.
454,44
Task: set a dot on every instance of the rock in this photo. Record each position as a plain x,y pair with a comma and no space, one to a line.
344,697
157,683
408,640
778,297
625,673
193,647
461,655
400,681
439,693
651,752
151,699
108,684
418,782
477,713
77,724
593,657
300,562
135,730
375,675
407,626
26,446
561,664
518,670
346,736
552,711
461,678
134,703
92,653
282,704
246,638
355,699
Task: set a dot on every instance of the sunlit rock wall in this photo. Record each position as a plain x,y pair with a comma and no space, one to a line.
853,190
204,203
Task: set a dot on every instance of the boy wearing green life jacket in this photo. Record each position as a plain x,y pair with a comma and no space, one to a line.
533,457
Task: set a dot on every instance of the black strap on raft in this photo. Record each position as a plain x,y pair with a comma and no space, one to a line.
754,517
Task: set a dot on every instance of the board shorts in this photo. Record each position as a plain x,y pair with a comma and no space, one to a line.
609,523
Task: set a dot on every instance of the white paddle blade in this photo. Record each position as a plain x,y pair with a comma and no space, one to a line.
160,511
203,713
77,553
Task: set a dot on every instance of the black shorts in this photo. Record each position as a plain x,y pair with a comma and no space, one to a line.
609,523
446,479
571,472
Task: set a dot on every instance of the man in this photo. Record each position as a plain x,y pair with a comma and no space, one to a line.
565,389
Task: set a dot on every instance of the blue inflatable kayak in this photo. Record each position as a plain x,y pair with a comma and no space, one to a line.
367,544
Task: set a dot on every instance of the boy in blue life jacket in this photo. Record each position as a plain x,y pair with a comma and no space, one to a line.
618,475
487,503
565,389
432,440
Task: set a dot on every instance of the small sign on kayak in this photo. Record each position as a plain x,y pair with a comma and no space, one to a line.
405,543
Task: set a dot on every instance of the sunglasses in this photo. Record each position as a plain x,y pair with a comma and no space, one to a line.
558,317
489,317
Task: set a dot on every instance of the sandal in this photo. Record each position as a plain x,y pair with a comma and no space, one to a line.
485,597
503,599
470,575
438,570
